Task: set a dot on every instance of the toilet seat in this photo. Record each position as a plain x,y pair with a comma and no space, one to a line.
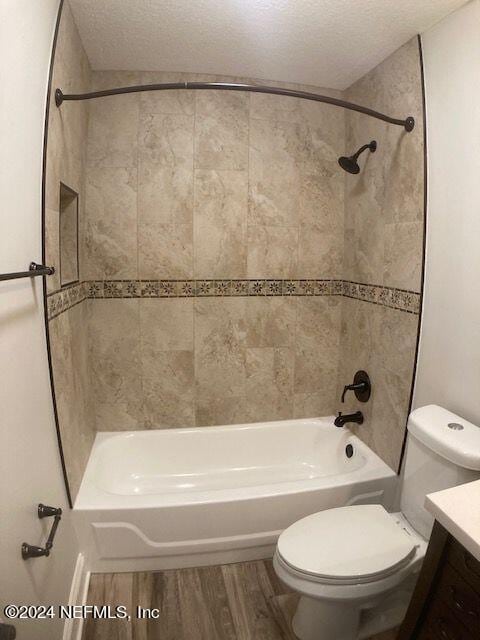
347,545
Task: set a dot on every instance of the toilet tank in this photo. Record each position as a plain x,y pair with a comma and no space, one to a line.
443,450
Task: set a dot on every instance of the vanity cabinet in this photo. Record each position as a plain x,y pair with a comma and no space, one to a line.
446,602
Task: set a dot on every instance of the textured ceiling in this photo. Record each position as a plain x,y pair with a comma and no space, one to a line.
329,43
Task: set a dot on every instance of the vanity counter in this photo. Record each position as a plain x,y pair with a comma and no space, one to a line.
458,511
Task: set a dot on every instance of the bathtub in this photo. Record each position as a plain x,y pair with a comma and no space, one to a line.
174,498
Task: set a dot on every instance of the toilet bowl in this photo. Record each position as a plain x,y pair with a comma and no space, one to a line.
355,567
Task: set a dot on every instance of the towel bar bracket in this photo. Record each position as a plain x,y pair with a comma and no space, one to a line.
32,551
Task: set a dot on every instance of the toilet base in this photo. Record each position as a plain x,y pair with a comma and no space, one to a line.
317,620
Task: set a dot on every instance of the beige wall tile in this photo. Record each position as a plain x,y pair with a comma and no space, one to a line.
389,414
274,176
64,163
272,252
274,143
359,342
270,369
298,111
166,140
167,102
321,200
299,146
270,322
68,336
168,387
319,254
220,250
167,363
220,227
220,143
317,404
369,249
381,341
403,255
360,330
52,248
220,371
220,346
113,125
221,410
349,256
276,108
111,223
165,199
317,342
397,340
232,104
167,324
165,194
220,322
403,189
315,155
385,202
165,250
220,196
274,192
115,366
221,130
269,383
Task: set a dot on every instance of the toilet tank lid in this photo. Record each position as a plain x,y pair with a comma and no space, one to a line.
447,434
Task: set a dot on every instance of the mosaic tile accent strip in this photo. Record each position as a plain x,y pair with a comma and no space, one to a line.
68,297
400,299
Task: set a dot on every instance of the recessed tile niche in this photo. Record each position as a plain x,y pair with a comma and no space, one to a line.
68,235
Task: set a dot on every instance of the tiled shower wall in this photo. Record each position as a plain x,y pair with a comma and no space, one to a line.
215,285
384,211
211,186
66,155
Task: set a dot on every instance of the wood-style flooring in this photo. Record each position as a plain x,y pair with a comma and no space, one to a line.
241,601
244,601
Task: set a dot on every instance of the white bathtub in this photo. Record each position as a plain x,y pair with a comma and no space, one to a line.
187,497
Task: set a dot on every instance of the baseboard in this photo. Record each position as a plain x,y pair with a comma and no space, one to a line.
72,629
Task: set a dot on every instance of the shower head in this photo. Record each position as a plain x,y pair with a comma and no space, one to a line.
350,163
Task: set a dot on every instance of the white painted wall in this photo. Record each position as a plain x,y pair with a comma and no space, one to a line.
449,358
29,460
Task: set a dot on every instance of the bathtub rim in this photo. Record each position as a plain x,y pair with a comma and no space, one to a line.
90,497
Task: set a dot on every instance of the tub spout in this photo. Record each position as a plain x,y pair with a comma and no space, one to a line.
341,420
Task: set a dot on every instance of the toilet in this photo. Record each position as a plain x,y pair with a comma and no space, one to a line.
355,567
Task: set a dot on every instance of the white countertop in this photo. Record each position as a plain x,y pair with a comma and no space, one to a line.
458,510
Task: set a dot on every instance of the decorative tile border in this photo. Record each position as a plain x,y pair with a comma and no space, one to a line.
400,299
68,297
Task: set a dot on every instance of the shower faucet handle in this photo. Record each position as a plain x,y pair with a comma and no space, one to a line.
361,386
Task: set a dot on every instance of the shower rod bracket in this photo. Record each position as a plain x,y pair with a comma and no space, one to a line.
408,124
58,97
34,269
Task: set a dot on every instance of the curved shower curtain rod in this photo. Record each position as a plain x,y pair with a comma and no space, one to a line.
408,123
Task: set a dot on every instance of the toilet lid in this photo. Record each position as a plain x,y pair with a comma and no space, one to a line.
349,544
